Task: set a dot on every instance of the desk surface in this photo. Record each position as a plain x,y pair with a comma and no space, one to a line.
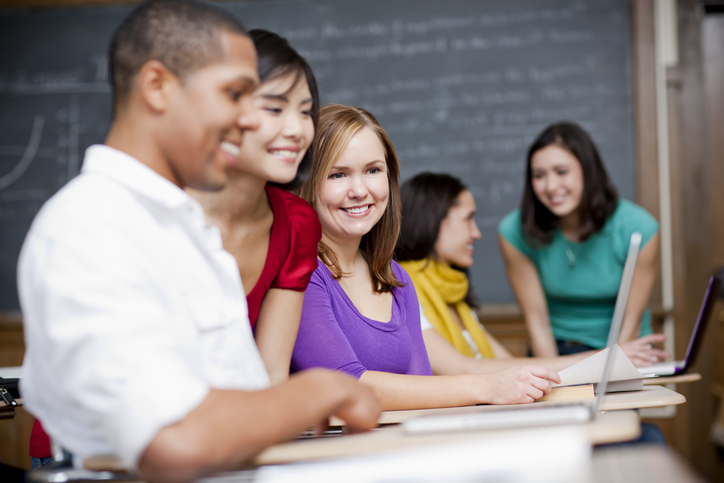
649,397
682,378
610,427
622,465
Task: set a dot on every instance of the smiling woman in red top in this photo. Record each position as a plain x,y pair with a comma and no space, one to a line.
272,233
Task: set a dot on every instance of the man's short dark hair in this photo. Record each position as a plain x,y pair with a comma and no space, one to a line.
184,35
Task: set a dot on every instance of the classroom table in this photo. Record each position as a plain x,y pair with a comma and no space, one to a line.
629,465
650,397
649,381
610,427
619,423
681,378
615,425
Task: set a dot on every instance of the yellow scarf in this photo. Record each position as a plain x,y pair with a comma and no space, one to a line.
438,285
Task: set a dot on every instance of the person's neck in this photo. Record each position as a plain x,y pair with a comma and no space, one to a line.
346,249
243,199
570,226
134,135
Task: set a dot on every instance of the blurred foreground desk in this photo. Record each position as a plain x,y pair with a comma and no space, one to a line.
633,465
382,446
355,457
610,427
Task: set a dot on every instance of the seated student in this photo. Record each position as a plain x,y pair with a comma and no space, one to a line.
436,249
136,328
565,248
360,313
272,233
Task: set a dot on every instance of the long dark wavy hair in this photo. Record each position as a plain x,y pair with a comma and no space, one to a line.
599,198
276,58
426,200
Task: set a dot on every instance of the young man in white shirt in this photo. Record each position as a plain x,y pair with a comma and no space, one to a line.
138,342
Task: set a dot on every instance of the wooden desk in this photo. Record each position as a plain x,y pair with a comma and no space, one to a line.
649,397
610,427
622,465
682,378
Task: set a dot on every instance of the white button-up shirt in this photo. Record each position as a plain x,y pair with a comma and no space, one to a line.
132,310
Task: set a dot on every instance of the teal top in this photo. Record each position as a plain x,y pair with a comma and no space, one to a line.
581,280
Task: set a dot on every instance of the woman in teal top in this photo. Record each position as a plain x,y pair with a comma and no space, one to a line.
564,249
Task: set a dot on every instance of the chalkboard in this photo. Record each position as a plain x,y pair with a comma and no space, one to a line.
461,86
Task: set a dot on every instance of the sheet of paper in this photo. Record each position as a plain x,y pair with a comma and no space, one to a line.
590,370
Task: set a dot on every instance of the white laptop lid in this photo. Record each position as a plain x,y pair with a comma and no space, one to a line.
623,290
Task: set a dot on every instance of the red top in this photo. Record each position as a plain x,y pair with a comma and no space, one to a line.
290,261
39,442
292,254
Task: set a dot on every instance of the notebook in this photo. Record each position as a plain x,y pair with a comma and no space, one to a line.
527,415
680,367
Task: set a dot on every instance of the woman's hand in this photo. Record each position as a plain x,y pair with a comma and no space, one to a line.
641,351
521,384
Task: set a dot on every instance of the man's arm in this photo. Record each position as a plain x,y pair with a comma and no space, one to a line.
230,427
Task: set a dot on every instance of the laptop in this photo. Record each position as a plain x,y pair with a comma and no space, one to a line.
697,337
527,415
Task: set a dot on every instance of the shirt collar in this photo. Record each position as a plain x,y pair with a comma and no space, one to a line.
134,175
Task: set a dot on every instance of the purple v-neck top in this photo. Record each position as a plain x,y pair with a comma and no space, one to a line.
333,334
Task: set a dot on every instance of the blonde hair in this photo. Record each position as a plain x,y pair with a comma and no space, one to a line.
336,126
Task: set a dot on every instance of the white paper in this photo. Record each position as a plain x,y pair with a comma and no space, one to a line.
590,370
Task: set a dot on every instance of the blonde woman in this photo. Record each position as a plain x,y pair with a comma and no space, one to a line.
360,314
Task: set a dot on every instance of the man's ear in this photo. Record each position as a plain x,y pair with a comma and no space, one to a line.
155,83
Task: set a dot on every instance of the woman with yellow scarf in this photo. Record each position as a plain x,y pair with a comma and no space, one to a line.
436,249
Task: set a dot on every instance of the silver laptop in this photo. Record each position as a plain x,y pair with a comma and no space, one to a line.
697,336
527,415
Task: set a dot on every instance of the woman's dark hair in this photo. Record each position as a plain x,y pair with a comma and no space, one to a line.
276,58
599,198
426,201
